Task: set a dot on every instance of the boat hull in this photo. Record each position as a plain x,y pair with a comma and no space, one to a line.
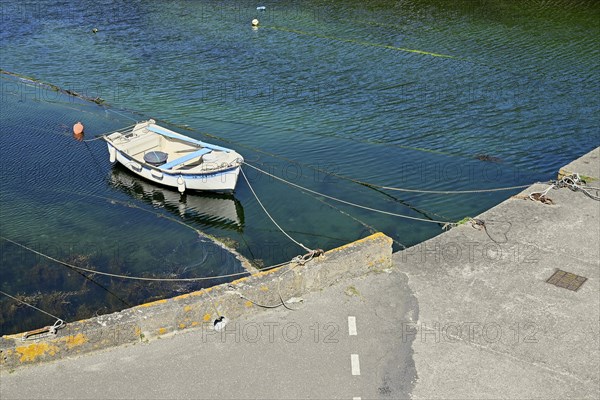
217,181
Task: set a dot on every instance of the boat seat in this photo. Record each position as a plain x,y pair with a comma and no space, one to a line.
184,159
141,145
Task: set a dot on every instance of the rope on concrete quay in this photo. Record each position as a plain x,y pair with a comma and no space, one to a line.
577,184
213,304
137,278
481,224
60,323
573,182
257,303
298,260
443,223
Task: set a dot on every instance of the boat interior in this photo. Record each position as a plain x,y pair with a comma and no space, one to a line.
180,154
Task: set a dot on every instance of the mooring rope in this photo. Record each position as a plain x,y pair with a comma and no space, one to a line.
358,181
32,306
298,260
443,223
325,172
127,204
122,115
573,182
137,278
103,135
269,215
499,189
367,184
98,137
481,224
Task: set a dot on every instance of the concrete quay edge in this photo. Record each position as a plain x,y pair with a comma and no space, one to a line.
201,308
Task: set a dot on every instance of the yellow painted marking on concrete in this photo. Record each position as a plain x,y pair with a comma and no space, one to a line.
256,275
181,326
362,43
265,273
35,350
239,280
187,308
206,317
188,295
13,336
373,237
153,303
75,341
248,303
264,288
162,331
195,323
193,294
269,272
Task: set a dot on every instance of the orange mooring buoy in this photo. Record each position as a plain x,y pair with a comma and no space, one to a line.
78,131
78,128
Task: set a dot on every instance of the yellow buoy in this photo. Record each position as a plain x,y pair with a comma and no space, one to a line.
255,22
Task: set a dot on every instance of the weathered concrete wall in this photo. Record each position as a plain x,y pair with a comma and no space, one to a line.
201,308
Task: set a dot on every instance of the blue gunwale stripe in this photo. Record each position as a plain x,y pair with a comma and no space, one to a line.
175,135
184,159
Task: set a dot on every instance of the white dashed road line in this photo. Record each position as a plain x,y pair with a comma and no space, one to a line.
355,364
354,361
352,326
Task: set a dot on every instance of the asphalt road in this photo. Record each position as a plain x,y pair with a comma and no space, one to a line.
344,342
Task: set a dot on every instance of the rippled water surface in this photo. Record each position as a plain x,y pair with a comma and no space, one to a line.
415,94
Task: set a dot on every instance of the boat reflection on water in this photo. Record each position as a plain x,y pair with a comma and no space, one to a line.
217,210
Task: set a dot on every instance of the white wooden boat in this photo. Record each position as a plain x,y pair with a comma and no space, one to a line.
172,159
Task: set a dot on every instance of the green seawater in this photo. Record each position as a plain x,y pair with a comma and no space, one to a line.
427,94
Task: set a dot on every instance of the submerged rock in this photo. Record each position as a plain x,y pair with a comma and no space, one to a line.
488,158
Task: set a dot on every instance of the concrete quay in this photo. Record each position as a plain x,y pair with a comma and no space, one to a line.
467,314
489,324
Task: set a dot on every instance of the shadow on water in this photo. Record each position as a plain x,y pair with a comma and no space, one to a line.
216,210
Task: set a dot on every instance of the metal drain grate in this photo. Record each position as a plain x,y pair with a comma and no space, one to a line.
566,280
